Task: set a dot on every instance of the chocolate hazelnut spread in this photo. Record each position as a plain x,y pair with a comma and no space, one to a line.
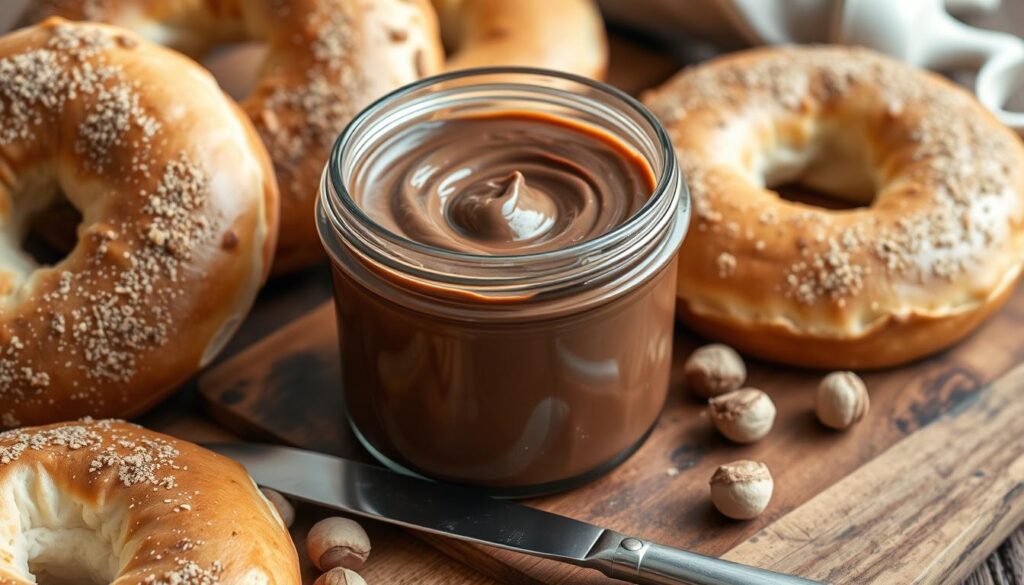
512,183
505,284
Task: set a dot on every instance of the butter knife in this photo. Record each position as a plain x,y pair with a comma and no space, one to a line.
464,514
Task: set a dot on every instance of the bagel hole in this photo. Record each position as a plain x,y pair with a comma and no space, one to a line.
832,169
800,193
236,66
55,565
62,540
52,232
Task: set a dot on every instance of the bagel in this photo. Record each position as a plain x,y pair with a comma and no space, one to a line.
566,35
178,206
326,60
933,245
98,502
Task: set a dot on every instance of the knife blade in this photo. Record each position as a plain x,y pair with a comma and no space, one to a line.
466,514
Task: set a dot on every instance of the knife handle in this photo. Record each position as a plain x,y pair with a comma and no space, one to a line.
647,563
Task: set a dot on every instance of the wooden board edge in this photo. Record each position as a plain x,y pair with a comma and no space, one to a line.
212,386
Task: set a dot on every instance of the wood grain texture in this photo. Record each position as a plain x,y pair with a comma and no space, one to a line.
1004,567
925,511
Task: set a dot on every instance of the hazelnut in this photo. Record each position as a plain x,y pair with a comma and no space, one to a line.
340,576
741,489
841,400
744,415
337,542
281,504
714,369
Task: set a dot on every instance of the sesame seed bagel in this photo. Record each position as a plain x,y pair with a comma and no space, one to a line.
109,502
326,60
566,35
178,206
932,245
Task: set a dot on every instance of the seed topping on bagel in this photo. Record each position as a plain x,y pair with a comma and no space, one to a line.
848,210
941,242
130,461
133,461
108,325
110,502
317,98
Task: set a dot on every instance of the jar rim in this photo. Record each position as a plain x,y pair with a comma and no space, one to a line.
335,166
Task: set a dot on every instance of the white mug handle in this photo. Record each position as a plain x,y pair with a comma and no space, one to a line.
997,79
998,56
924,34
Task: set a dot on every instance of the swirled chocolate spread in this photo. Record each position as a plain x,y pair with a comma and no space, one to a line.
536,400
501,184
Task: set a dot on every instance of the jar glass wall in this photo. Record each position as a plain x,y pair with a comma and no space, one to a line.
522,373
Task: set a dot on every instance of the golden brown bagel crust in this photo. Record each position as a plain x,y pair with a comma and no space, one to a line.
179,215
327,60
172,512
935,248
565,35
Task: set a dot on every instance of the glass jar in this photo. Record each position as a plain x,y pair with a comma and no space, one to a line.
522,373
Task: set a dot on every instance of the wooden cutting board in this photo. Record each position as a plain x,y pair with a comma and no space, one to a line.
930,482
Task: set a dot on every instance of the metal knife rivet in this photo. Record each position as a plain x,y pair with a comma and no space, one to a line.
632,544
